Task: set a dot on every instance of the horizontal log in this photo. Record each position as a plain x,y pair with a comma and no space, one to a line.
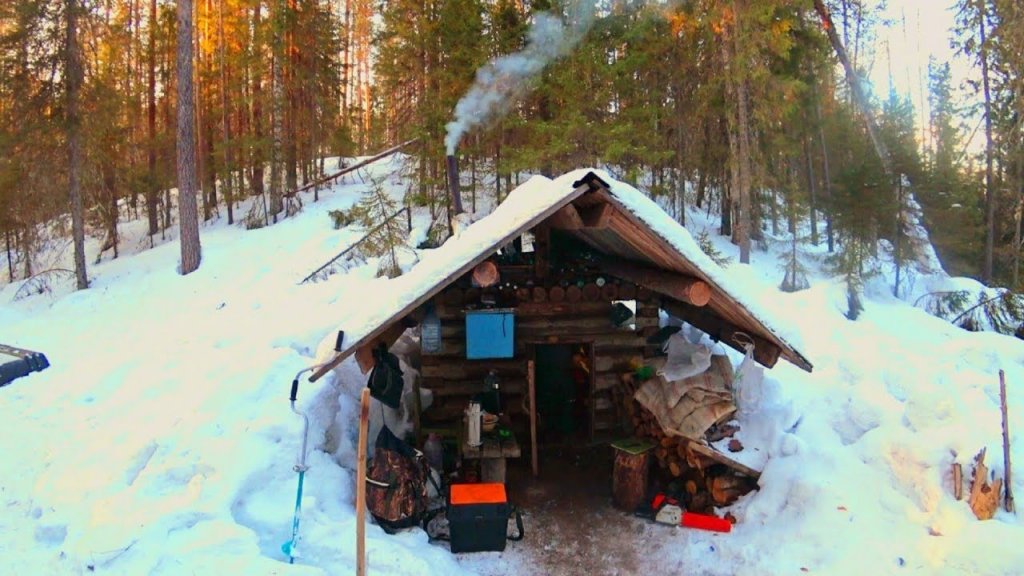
765,352
467,369
597,216
562,308
607,380
442,387
683,288
556,294
610,291
485,274
540,294
567,218
573,293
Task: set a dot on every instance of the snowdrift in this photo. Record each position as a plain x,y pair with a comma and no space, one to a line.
160,441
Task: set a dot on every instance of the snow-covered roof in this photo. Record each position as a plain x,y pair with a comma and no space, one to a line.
527,206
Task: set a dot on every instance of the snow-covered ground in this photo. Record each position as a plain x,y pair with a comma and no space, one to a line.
161,440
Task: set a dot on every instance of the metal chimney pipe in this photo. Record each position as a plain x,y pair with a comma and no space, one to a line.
453,184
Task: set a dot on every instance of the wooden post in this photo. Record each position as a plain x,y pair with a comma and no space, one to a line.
1007,479
531,383
364,421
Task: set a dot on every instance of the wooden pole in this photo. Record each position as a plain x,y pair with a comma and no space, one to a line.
531,383
1006,443
364,420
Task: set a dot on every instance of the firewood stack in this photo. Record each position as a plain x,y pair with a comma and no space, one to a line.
708,478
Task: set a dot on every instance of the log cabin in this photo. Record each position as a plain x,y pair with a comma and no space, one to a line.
564,285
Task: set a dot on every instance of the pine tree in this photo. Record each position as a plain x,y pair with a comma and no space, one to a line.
188,214
386,237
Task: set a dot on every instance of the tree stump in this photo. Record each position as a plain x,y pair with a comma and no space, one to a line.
629,480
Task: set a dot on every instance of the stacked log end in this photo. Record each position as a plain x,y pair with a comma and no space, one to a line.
707,483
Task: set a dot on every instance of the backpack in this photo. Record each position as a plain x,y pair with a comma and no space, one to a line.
386,383
396,483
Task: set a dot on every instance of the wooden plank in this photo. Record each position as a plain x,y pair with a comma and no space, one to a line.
364,420
484,253
1007,470
531,380
592,381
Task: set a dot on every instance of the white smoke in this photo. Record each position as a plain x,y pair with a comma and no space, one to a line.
502,80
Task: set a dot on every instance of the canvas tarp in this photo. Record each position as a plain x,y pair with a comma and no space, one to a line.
690,406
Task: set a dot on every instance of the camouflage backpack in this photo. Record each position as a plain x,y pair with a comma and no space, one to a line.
396,483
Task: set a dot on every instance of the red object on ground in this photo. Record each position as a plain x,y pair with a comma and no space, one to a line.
704,522
490,493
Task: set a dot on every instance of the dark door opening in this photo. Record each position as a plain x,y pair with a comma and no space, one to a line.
563,389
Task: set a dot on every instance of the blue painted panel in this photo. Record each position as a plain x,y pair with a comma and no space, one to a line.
490,334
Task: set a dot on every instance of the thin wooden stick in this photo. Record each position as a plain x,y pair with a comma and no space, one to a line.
364,420
531,380
1006,443
958,481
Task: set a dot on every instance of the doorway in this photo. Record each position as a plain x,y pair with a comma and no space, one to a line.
564,382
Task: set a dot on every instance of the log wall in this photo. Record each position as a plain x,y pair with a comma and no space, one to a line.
544,314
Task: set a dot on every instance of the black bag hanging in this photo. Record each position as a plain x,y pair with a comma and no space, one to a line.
386,383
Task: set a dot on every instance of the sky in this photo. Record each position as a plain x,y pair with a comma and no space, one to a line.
917,29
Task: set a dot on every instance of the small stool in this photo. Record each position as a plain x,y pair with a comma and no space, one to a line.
629,478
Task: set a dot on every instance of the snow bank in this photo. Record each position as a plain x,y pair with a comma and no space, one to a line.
161,442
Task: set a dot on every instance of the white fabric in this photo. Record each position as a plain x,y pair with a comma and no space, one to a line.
748,384
684,359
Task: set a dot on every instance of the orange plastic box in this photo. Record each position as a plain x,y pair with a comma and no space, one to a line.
478,517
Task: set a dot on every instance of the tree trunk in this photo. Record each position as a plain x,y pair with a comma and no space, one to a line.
739,146
277,109
225,124
811,189
990,200
74,82
257,117
152,188
188,215
1017,214
856,90
826,178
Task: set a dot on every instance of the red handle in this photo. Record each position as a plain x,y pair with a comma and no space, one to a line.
703,522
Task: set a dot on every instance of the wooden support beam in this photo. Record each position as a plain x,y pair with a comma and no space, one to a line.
766,353
531,384
597,216
567,218
364,354
683,288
